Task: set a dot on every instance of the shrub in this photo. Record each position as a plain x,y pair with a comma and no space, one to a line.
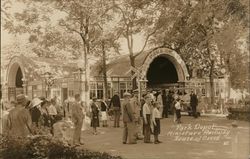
45,147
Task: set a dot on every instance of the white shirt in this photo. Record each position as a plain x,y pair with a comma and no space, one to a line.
146,110
177,105
52,110
155,114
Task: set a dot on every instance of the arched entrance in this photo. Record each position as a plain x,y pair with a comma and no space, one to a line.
164,68
15,79
161,71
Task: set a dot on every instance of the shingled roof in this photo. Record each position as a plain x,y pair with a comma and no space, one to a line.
35,67
120,66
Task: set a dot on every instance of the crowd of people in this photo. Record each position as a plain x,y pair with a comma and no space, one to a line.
140,115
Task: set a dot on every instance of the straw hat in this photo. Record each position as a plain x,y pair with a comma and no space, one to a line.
126,94
35,102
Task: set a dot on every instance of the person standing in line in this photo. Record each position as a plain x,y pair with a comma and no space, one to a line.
147,119
94,110
77,118
156,116
193,103
178,110
165,106
115,105
104,108
160,102
19,122
128,120
136,106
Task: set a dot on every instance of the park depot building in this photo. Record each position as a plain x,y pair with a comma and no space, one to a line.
158,69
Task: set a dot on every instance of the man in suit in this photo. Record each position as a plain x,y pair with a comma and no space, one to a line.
19,121
77,118
115,105
193,103
128,120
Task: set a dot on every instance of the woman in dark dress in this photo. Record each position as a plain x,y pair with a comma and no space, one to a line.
94,116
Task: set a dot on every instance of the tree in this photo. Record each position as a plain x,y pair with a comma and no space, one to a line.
192,34
74,29
136,17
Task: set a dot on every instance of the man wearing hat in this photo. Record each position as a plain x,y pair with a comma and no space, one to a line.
136,105
19,119
128,120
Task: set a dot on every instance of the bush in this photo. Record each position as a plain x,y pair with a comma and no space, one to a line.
45,147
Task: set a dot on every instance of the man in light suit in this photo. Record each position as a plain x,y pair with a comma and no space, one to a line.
77,118
128,120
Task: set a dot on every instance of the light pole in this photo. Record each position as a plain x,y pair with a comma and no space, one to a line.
49,81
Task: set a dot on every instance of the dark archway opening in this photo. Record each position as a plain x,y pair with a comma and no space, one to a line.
161,71
19,77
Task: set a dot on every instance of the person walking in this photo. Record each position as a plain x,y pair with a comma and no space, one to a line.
128,121
193,103
115,105
77,118
178,110
19,122
156,116
94,110
104,108
147,119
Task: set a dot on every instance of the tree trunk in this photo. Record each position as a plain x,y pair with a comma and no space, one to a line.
132,63
104,71
211,81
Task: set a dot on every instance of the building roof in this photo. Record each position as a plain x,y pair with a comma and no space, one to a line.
35,67
120,66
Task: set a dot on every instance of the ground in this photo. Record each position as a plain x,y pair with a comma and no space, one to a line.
226,142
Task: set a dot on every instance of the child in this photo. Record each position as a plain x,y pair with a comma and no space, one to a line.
156,115
94,116
178,110
104,113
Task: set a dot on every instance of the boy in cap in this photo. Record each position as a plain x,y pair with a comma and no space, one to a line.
146,111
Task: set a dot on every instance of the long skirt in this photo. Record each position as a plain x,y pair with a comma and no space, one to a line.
104,116
95,121
147,129
157,127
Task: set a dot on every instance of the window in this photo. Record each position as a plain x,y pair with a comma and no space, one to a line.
71,93
99,90
109,91
96,90
129,86
122,89
92,90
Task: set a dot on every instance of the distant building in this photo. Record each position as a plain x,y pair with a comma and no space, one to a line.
162,68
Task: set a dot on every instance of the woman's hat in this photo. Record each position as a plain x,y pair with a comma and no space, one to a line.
35,102
126,94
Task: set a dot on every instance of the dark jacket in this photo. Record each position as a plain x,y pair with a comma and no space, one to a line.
193,100
115,101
